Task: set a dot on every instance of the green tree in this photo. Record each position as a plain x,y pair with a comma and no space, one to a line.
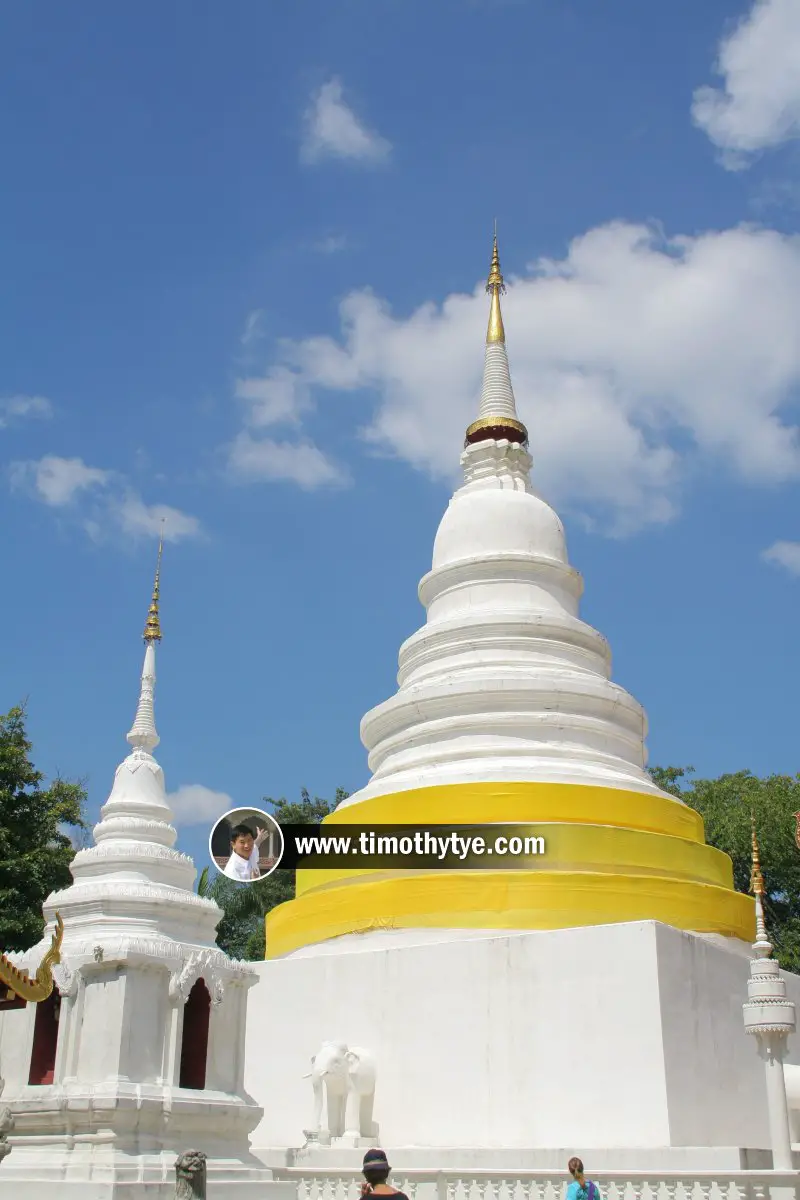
726,806
38,829
241,932
239,922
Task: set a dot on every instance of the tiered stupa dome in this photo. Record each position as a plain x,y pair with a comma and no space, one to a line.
505,712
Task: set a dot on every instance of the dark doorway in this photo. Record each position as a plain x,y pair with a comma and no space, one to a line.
194,1043
45,1040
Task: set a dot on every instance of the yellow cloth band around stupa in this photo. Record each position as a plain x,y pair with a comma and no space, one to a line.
611,855
483,803
575,848
506,900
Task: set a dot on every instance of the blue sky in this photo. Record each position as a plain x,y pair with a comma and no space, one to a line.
243,251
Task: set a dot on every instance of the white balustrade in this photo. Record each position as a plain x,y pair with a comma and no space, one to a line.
453,1184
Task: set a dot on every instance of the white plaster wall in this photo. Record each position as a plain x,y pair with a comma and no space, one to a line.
224,1052
16,1042
702,990
613,1036
144,1018
511,1040
103,1012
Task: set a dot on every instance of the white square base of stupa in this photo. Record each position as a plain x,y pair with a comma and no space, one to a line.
622,1043
120,1142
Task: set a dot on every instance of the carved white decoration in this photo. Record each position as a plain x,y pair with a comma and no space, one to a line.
6,1126
216,970
65,980
129,850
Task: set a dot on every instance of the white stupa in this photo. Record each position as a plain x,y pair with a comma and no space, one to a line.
138,1056
591,999
505,712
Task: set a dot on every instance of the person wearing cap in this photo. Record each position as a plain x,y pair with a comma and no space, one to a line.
375,1170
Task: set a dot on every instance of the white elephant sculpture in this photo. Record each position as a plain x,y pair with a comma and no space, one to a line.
344,1077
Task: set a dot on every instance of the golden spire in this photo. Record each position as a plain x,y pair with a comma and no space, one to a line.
756,878
495,285
152,629
497,416
762,944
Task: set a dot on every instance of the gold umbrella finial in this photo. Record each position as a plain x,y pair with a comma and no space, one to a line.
495,285
152,629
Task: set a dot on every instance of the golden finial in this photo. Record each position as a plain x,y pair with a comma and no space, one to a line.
762,942
152,629
495,285
756,878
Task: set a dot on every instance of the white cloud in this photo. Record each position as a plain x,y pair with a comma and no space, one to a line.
253,459
194,804
277,398
253,327
18,408
333,244
630,356
57,481
135,517
102,499
332,130
758,105
784,554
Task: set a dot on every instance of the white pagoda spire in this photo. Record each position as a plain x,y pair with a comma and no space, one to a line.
497,414
143,734
133,877
504,682
762,945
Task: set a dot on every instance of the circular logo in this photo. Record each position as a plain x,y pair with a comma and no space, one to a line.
246,844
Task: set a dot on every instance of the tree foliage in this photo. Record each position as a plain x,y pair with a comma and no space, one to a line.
36,846
238,923
241,932
727,806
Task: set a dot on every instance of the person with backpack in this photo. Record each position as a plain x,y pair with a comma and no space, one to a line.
580,1188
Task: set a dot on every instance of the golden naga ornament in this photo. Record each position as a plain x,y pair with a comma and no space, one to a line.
19,983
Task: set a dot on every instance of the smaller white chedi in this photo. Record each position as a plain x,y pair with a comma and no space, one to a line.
138,1055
